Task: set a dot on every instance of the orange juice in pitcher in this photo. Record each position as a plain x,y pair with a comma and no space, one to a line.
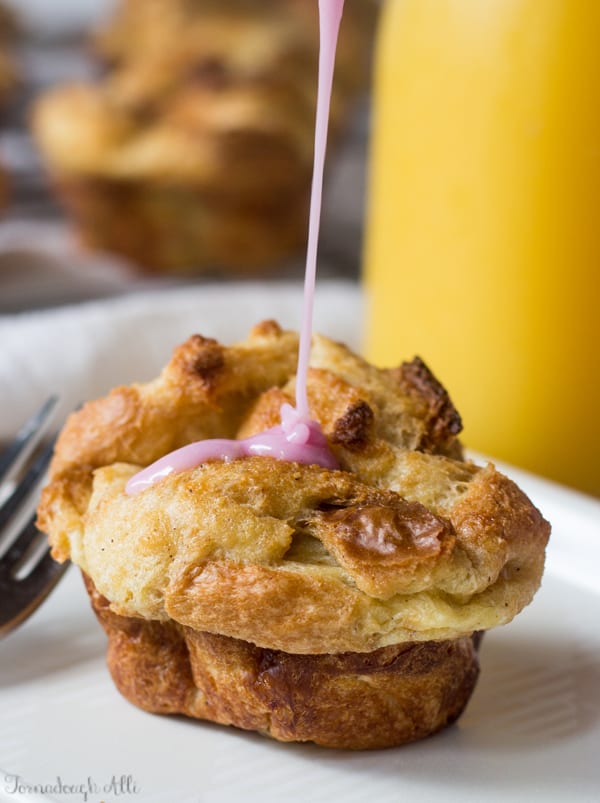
483,235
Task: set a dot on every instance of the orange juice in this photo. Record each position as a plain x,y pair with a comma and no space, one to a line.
483,236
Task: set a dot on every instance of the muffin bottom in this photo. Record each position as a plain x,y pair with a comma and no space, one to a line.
357,701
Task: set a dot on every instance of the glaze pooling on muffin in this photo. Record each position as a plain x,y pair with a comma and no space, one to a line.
297,438
405,543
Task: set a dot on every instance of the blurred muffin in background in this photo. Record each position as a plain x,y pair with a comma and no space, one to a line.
9,80
235,39
8,73
194,151
9,31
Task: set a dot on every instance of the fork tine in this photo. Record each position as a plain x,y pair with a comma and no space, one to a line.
44,576
20,599
24,488
27,571
20,547
26,439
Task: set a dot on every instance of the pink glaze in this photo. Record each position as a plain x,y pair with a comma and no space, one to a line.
297,439
330,16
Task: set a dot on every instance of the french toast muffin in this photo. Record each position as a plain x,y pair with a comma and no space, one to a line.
340,606
193,151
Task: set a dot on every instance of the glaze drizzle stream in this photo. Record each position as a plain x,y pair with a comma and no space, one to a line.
298,438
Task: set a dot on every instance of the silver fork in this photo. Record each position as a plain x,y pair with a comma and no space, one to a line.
27,571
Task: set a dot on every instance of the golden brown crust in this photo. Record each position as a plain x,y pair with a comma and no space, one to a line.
138,424
398,546
443,422
353,700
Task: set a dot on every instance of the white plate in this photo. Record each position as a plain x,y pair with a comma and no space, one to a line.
531,731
